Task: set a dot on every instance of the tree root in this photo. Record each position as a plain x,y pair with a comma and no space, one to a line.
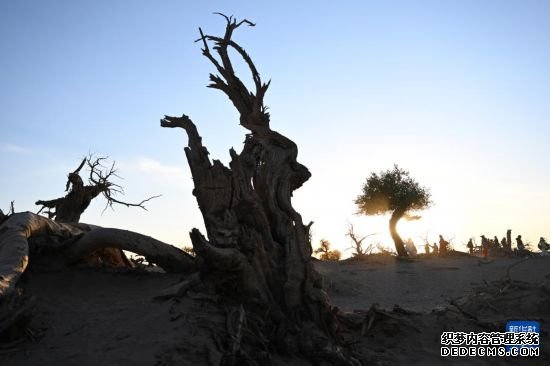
369,320
375,314
180,288
236,321
507,277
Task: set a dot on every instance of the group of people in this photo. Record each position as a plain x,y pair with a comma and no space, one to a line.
442,249
487,244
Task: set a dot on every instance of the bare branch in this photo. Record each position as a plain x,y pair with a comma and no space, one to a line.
227,18
77,170
208,55
111,200
4,216
70,207
248,22
254,115
98,174
358,242
424,237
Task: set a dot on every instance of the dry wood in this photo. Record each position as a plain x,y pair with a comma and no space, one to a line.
70,207
80,240
166,256
258,248
369,320
14,249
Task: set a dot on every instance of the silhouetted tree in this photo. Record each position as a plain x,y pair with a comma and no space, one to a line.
70,207
358,249
258,252
326,254
392,191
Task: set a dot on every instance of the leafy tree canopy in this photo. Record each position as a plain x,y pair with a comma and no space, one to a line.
391,190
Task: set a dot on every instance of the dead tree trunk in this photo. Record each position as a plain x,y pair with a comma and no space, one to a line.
73,242
258,249
66,243
168,257
69,208
357,247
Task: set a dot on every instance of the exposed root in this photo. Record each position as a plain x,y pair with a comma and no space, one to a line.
369,320
236,321
180,288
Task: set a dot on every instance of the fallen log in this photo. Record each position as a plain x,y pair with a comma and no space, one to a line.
166,256
75,241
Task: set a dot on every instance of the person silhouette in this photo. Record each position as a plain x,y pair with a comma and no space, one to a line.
543,246
520,245
470,246
484,246
442,245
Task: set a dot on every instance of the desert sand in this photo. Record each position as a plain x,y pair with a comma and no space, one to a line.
91,316
419,284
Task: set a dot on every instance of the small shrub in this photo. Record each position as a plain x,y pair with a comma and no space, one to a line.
324,252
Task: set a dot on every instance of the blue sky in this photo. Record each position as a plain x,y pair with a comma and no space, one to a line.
455,91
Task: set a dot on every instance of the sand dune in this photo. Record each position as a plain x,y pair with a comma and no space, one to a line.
108,317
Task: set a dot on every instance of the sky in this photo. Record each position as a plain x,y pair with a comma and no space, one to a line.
456,92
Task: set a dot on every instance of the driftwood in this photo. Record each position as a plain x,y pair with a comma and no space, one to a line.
77,241
14,248
258,251
166,256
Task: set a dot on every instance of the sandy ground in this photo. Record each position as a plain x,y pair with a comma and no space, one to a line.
419,284
90,317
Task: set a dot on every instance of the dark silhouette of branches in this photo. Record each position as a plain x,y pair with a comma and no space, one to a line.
357,245
70,207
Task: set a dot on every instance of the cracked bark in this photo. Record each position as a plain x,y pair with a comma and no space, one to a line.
257,251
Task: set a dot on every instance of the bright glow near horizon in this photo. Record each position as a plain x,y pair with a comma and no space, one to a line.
455,92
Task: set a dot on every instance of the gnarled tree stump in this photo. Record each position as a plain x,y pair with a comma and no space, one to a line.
258,250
